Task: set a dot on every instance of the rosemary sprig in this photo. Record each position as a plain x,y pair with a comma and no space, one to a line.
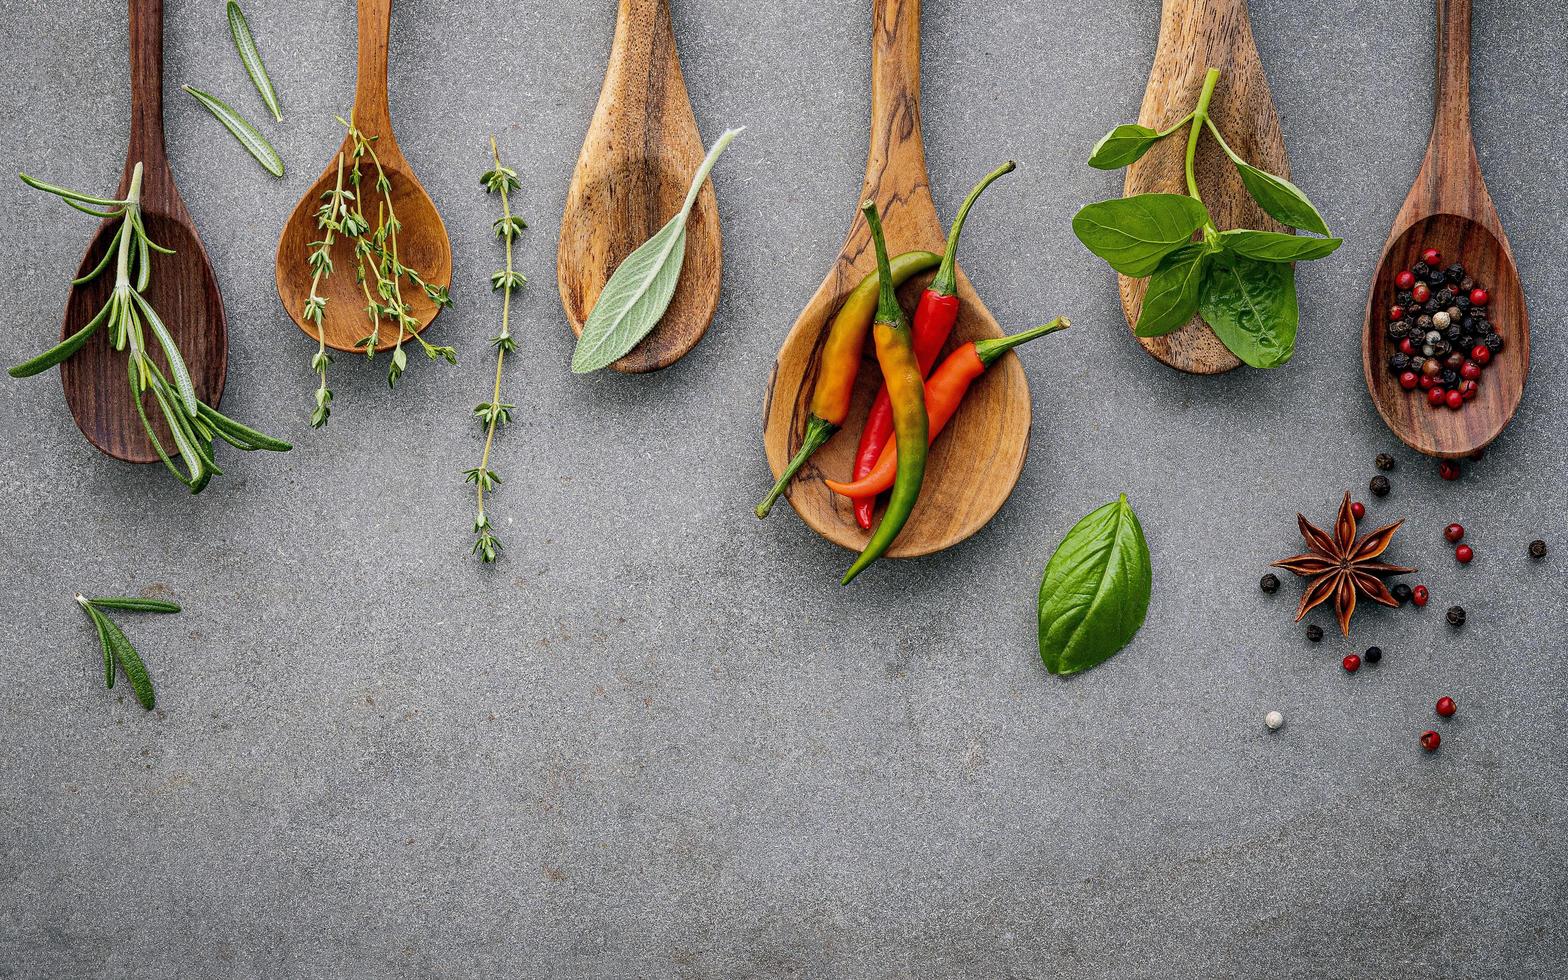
128,315
117,648
495,413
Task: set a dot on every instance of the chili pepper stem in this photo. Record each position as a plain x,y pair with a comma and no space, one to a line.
818,432
946,281
989,350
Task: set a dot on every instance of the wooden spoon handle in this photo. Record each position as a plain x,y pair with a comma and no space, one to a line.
371,112
642,57
146,35
1451,157
896,160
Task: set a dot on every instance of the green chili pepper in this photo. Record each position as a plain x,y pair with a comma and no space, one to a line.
906,389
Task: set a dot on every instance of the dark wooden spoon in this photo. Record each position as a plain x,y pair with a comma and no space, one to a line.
422,242
1450,210
183,289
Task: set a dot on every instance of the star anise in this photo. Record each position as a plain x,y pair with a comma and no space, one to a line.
1340,565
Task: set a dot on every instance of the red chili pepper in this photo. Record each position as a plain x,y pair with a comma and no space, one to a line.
934,319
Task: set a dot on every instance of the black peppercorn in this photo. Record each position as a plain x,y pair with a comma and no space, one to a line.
1424,322
1537,549
1463,302
1314,632
1373,655
1466,284
1432,305
1269,583
1399,363
1456,273
1452,333
1405,298
1494,342
1385,461
1450,377
1402,593
1379,486
1444,296
1483,328
1421,270
1398,330
1456,615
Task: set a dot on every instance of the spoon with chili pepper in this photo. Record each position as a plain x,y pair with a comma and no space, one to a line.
969,474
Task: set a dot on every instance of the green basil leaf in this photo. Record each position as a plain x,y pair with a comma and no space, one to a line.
1122,146
1134,233
1252,307
1095,593
1283,200
1272,246
1172,296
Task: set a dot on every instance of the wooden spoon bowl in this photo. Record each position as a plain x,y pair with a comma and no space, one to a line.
1449,209
422,241
976,461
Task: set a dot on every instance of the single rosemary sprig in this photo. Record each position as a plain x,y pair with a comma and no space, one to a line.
128,316
495,413
116,648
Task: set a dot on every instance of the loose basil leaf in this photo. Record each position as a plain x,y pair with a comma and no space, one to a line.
1272,246
1134,233
1284,201
1095,593
1122,146
1172,296
1252,307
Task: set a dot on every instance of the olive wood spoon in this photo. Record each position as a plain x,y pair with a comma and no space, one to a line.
182,289
1449,209
636,165
422,241
1196,35
976,461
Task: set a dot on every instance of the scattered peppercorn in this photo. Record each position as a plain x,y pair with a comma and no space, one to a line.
1351,663
1446,707
1380,485
1314,632
1464,553
1401,593
1537,549
1456,616
1448,469
1419,595
1358,509
1430,740
1269,583
1373,655
1453,532
1385,461
1274,720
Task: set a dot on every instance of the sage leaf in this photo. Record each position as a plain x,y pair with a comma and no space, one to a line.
1284,201
255,144
1122,146
251,56
1134,234
1172,296
1252,307
1273,246
1095,593
640,289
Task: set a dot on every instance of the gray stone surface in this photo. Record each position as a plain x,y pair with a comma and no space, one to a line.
659,740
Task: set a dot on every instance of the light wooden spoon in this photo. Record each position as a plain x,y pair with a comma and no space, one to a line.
636,165
975,462
1196,35
182,290
1449,209
422,241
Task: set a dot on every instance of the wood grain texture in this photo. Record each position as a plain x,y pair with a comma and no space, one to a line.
976,461
183,289
423,244
636,164
1450,209
1196,35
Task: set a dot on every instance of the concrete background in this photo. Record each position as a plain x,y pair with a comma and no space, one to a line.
658,739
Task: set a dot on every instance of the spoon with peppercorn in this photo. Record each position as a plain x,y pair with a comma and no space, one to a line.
1446,348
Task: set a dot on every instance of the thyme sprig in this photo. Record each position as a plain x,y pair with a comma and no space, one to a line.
193,424
117,650
332,218
495,413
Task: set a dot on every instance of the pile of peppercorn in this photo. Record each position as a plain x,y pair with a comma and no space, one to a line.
1446,339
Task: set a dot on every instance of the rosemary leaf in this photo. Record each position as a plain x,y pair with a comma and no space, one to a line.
135,604
103,641
246,45
255,144
130,662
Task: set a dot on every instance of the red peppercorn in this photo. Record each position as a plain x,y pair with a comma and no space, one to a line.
1430,740
1464,553
1454,532
1479,296
1422,292
1396,313
1358,509
1432,257
1406,347
1448,469
1436,396
1446,707
1351,663
1419,595
1405,280
1409,380
1469,370
1455,399
1468,390
1481,354
1427,383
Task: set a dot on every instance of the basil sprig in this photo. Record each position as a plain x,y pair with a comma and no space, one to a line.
1241,282
1096,589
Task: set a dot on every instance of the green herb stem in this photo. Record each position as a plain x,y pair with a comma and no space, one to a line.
1200,115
